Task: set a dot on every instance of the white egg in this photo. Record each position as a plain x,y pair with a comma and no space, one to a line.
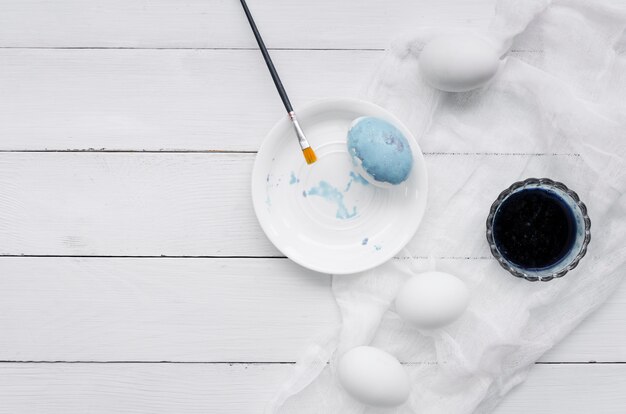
373,377
458,63
431,300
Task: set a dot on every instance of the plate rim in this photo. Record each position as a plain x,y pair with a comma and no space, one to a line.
257,189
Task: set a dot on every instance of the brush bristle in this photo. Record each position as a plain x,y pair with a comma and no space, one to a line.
309,155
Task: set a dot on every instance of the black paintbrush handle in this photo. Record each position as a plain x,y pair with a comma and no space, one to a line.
268,59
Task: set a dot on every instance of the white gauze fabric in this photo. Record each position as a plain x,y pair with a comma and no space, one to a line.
556,109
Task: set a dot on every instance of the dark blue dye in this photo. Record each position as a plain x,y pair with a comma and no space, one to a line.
534,228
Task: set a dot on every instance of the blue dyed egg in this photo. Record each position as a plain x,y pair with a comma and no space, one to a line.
380,151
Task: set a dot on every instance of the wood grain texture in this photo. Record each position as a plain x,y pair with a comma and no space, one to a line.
161,99
236,389
128,204
194,204
221,23
58,93
203,310
160,309
552,389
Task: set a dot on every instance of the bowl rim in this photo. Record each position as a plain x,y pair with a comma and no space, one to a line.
528,275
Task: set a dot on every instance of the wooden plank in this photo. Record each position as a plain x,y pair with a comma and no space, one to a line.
207,310
128,204
163,309
569,389
161,99
137,388
156,100
220,23
198,204
223,388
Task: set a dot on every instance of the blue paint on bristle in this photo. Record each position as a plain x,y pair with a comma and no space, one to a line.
384,153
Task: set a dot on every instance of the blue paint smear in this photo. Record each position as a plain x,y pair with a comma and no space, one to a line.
304,194
355,178
293,179
383,151
335,196
358,179
378,247
364,242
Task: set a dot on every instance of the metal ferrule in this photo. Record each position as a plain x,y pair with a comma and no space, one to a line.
301,138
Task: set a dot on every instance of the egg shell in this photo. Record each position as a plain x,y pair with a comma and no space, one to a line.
431,300
459,63
380,152
373,377
358,167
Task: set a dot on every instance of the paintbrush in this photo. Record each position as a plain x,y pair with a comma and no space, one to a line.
307,151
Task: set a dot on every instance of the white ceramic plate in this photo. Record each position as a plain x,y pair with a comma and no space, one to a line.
320,215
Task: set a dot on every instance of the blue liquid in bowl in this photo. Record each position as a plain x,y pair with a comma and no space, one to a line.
538,229
534,228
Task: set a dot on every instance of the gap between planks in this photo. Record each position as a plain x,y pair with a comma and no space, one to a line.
298,49
219,257
272,362
428,153
197,48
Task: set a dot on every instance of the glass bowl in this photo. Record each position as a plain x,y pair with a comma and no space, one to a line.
582,234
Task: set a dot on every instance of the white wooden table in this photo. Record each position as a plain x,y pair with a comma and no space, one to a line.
133,274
